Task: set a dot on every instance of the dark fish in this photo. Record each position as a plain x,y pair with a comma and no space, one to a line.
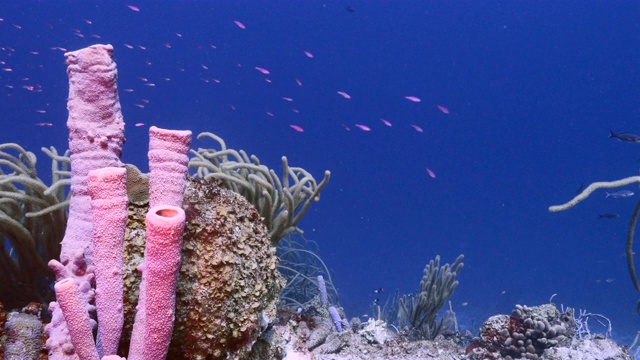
608,216
580,188
349,9
625,136
378,291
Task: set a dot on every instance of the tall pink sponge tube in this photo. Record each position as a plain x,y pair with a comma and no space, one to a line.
168,165
77,318
155,313
96,135
108,191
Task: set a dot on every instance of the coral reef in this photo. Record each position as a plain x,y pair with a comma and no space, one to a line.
228,283
282,202
308,334
32,225
419,312
301,267
526,333
21,335
24,335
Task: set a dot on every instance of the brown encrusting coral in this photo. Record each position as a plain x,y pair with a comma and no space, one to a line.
228,285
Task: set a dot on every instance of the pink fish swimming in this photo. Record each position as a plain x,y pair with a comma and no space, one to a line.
297,128
363,127
413,98
263,70
386,122
418,128
344,94
431,173
308,54
239,24
134,8
443,109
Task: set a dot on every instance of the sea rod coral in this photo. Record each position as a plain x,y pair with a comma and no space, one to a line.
632,225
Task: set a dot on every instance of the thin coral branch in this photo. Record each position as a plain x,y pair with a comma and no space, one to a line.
593,187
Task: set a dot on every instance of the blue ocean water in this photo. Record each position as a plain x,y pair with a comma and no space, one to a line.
529,91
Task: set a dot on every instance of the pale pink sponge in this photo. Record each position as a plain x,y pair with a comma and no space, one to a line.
108,191
77,318
156,304
96,135
167,165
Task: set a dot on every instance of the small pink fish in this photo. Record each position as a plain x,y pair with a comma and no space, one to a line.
263,70
413,98
269,113
43,124
41,111
418,128
134,8
308,54
297,128
346,127
443,109
139,124
298,82
344,94
139,105
128,46
239,24
287,99
295,110
431,173
386,122
363,127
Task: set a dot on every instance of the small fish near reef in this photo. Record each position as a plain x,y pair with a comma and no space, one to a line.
619,194
625,136
608,216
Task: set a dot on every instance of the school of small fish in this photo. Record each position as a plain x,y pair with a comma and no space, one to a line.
83,29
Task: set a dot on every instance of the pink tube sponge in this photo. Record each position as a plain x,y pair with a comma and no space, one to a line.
77,318
168,165
108,191
156,304
96,134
